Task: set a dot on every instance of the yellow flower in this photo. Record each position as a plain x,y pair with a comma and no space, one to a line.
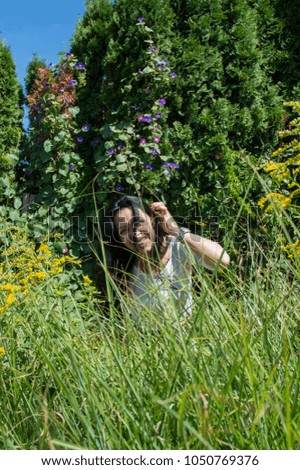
10,299
8,302
43,248
86,280
286,202
39,275
9,287
2,352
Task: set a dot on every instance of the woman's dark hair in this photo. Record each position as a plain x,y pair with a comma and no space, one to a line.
119,260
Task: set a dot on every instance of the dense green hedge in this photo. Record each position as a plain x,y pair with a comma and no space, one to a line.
179,102
10,124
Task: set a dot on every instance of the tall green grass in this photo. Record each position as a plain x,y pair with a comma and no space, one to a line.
227,378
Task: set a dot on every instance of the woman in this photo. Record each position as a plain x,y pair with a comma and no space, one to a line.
153,257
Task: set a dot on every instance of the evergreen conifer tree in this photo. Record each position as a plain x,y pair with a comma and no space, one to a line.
222,101
10,120
10,103
225,99
89,44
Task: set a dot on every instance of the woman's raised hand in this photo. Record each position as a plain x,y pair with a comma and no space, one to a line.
168,224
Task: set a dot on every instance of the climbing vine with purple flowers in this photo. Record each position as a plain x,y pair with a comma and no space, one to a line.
134,154
53,144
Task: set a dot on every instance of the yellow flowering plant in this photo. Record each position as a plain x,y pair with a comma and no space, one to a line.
26,269
284,169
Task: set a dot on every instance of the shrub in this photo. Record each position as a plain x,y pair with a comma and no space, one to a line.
284,170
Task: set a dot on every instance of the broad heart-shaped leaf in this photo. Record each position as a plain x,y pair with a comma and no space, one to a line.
129,180
122,167
63,171
123,137
43,210
121,158
47,146
148,70
14,215
74,110
4,182
17,203
62,190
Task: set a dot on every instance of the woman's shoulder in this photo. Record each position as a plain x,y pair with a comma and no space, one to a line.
177,249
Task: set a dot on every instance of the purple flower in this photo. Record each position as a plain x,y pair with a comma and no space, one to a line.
72,82
156,139
85,127
79,65
155,127
71,167
139,71
111,151
174,75
62,89
161,102
154,151
46,85
69,54
140,19
143,142
140,118
158,115
153,48
166,61
121,145
148,166
65,250
148,90
51,64
147,118
171,165
118,187
79,139
135,107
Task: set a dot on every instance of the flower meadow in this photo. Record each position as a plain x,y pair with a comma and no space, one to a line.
76,371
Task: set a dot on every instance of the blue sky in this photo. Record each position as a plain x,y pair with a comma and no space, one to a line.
38,26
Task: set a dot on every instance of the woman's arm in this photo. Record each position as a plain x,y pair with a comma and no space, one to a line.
211,252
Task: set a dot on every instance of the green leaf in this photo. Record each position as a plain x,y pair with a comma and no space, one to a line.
12,158
121,158
122,167
43,211
148,69
47,146
17,203
74,110
129,180
14,215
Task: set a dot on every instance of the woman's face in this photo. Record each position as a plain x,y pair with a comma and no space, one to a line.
144,231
